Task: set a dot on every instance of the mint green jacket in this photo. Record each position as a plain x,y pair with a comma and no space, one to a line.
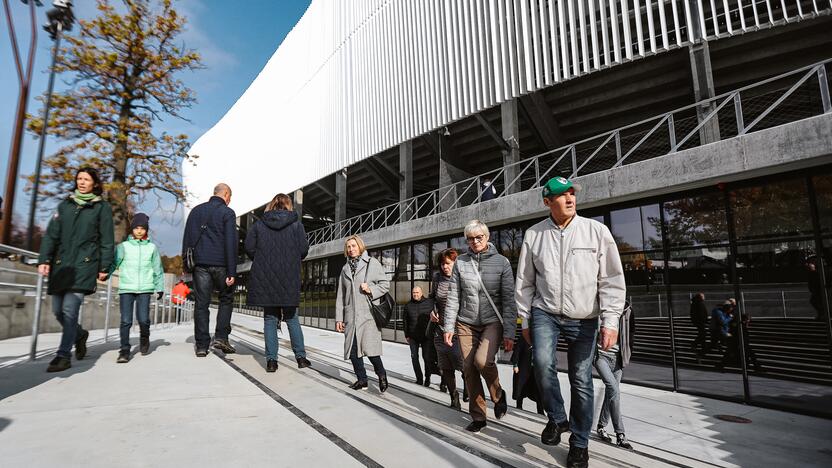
140,267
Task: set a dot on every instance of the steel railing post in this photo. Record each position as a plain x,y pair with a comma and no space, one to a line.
33,348
738,114
823,82
107,309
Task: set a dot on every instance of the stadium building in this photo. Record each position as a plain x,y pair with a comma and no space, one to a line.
700,131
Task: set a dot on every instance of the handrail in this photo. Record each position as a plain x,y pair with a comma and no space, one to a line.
449,195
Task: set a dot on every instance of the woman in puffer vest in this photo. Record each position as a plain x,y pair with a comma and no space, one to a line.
140,275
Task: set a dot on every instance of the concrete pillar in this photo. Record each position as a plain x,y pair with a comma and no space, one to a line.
406,178
341,195
297,201
511,134
703,88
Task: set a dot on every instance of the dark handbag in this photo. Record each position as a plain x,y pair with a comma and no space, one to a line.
383,311
189,257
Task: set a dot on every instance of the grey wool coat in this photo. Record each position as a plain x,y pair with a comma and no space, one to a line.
353,308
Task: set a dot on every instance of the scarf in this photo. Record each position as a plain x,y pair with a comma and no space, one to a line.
353,263
83,198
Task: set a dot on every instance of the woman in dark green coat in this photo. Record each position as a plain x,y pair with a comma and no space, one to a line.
75,253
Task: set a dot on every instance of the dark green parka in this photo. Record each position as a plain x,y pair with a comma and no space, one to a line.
78,245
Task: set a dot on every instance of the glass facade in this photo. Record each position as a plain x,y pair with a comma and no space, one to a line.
765,243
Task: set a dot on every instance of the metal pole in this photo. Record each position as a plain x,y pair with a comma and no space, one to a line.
107,308
42,143
36,321
783,299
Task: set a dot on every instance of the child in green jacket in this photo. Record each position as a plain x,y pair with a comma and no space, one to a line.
140,275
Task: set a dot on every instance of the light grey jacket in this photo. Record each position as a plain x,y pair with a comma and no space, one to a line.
353,308
575,272
468,303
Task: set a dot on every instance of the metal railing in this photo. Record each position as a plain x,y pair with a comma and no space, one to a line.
165,313
785,98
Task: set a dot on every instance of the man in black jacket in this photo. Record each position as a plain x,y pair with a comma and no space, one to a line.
211,230
416,320
699,319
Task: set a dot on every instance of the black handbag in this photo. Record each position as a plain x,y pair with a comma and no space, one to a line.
189,257
383,311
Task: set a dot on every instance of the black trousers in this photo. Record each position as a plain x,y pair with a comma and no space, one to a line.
206,281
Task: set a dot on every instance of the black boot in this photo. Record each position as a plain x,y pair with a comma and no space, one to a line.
144,345
382,383
271,365
59,364
551,433
442,387
123,357
475,426
81,344
455,401
578,457
501,405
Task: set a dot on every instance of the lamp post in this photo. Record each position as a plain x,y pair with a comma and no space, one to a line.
24,76
59,19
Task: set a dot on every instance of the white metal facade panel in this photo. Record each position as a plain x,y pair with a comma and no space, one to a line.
354,78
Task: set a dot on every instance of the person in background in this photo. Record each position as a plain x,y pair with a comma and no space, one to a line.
362,280
699,319
416,319
75,253
448,358
488,190
610,364
140,276
179,294
277,245
481,279
721,325
211,231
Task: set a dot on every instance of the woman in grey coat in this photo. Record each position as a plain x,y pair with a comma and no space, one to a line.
362,279
481,310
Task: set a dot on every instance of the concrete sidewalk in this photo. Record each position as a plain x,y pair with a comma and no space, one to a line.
657,421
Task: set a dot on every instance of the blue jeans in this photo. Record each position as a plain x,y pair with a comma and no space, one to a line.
271,323
65,306
609,368
208,279
126,302
358,363
581,335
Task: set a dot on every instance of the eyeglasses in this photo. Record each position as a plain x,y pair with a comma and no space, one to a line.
478,239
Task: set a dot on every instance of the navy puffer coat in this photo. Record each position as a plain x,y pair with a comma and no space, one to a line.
277,244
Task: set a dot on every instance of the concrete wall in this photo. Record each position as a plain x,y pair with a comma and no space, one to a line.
801,144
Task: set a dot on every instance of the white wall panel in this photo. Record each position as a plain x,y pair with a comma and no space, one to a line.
356,77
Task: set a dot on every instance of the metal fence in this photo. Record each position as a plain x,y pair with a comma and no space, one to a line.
785,98
165,312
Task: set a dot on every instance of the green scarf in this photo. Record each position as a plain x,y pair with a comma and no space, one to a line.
83,198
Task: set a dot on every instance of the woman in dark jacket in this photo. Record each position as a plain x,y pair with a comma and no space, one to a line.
75,253
277,244
524,382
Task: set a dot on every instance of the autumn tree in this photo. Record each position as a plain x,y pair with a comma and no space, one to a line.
123,74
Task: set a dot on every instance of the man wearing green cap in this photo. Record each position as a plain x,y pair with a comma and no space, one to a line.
568,275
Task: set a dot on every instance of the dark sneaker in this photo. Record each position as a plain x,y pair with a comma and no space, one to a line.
578,457
443,388
603,435
271,366
123,356
551,433
420,382
501,406
59,364
144,345
359,384
303,362
382,383
81,344
475,426
427,381
201,352
224,346
455,401
465,395
621,441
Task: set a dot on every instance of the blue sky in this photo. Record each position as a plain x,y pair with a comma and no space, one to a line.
235,37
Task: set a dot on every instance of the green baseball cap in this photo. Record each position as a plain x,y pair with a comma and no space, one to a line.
556,186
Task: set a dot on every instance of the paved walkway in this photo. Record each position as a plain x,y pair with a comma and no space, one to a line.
172,409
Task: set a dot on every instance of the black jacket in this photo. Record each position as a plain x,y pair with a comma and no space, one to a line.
698,312
417,318
277,244
217,245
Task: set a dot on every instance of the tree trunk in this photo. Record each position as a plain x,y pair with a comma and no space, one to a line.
118,186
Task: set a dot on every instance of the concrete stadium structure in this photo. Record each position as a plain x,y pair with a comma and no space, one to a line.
700,131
